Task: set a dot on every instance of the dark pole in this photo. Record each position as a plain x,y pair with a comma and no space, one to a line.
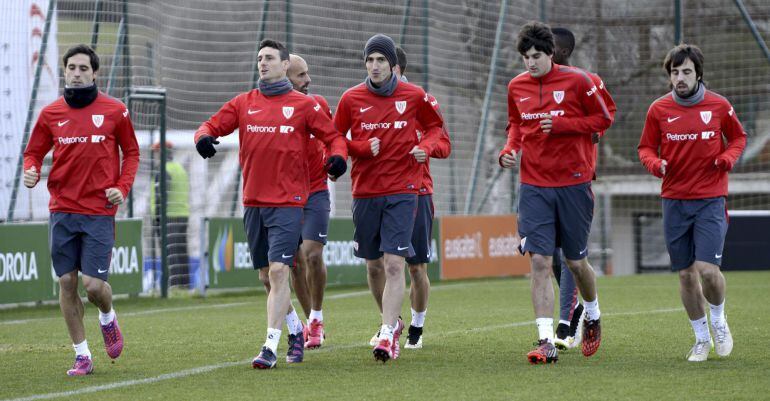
677,22
95,24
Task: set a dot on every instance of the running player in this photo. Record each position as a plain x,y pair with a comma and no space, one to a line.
88,130
683,142
274,124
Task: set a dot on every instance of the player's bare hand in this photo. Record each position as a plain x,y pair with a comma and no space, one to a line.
419,154
31,177
508,160
546,124
114,196
663,165
375,145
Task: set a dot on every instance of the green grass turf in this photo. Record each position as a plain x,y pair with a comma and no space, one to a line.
477,336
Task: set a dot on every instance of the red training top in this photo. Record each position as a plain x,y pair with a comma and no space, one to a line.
690,140
86,154
316,154
274,135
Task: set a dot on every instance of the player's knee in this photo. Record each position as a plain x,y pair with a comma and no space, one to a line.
710,273
375,268
688,276
394,268
68,283
93,286
278,273
315,257
418,271
540,264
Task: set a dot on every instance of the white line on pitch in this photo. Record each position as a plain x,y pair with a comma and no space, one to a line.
209,368
230,305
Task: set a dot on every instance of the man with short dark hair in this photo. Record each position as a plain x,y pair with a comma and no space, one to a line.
683,142
570,309
309,276
274,123
386,176
88,130
553,111
423,228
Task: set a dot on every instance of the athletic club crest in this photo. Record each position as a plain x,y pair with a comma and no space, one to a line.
401,106
98,119
558,96
705,116
288,111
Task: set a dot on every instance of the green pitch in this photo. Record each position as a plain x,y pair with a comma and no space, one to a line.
477,336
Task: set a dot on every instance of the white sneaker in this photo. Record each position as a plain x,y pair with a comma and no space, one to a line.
700,351
724,340
578,339
375,340
416,345
564,344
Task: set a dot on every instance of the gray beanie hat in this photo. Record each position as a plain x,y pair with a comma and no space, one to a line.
383,44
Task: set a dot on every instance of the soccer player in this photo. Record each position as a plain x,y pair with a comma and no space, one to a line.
423,228
683,142
274,123
570,309
386,112
555,110
88,180
309,275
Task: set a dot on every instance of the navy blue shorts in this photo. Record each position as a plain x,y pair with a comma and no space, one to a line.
546,214
423,231
273,234
81,242
694,230
384,225
316,215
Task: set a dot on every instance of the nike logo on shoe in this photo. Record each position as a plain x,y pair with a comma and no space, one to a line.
100,271
364,109
250,111
672,119
402,248
62,123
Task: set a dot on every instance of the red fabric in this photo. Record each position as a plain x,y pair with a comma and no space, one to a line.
394,119
274,135
437,147
566,156
86,157
690,140
316,154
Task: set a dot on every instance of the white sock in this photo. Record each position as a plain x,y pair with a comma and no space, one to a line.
717,314
106,318
592,309
315,315
82,349
293,322
386,332
701,329
545,328
273,336
418,318
565,322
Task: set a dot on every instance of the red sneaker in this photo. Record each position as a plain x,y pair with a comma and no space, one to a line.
82,366
592,336
315,334
544,353
113,339
383,351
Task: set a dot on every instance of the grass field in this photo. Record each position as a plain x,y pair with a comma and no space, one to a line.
477,335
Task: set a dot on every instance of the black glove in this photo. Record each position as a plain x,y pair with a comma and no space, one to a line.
205,146
336,166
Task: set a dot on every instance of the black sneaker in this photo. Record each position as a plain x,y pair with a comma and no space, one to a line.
563,340
573,325
414,339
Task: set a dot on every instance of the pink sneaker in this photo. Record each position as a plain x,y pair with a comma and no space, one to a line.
315,337
113,339
383,351
396,335
82,366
